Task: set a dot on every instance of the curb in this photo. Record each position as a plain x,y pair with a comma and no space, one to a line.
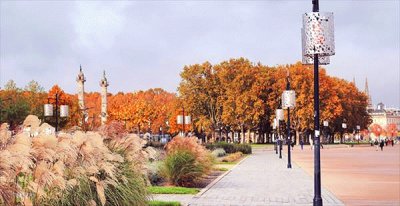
204,190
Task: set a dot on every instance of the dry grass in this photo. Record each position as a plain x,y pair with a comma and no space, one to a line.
43,169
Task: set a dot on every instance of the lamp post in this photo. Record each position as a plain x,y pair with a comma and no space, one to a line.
318,45
279,117
344,126
288,101
48,110
358,133
326,124
275,136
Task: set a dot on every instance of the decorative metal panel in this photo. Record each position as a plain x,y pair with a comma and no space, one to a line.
187,120
48,110
319,33
309,60
64,111
279,114
179,119
275,124
288,99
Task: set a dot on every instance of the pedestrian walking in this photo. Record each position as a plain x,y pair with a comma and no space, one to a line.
382,144
301,144
292,144
386,141
376,143
392,142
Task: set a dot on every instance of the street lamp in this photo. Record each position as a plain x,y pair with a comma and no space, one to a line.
274,133
344,126
318,42
48,109
288,102
326,124
279,117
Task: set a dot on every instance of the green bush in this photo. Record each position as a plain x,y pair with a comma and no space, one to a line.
219,152
230,147
181,168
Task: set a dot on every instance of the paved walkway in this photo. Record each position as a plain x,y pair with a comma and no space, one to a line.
262,179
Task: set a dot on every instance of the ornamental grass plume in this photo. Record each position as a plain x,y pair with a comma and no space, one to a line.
186,161
72,169
191,144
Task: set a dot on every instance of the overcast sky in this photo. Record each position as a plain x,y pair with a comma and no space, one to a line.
145,44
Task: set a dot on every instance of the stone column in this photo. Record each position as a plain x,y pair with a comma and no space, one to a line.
104,84
81,91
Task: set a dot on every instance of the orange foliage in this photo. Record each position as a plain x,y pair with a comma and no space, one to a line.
391,130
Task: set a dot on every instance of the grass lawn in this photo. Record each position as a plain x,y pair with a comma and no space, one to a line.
172,190
163,203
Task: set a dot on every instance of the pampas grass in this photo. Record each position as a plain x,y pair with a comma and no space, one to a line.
93,168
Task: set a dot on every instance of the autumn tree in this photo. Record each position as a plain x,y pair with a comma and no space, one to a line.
391,130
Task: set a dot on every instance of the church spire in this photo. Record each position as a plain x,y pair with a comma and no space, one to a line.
354,80
366,91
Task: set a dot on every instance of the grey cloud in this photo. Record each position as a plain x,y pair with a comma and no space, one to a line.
146,44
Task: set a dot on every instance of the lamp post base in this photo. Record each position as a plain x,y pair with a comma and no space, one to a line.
317,201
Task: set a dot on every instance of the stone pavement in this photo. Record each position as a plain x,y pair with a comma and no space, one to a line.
261,179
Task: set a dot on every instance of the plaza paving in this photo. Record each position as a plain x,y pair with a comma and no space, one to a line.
358,175
261,179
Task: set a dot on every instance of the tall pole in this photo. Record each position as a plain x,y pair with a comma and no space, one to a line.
317,201
289,165
280,142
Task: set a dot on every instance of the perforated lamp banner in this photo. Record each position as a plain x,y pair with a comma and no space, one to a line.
48,110
318,34
288,99
64,111
279,114
309,60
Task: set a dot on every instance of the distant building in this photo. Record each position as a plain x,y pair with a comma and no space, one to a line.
381,115
384,116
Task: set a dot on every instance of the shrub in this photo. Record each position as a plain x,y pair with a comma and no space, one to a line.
232,157
219,152
230,147
153,173
202,155
186,161
181,168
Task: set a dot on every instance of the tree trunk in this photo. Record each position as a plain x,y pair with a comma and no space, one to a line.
297,137
242,135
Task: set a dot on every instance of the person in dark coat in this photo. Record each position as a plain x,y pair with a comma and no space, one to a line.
382,144
301,144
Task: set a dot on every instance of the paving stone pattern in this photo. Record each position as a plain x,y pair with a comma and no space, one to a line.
261,179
